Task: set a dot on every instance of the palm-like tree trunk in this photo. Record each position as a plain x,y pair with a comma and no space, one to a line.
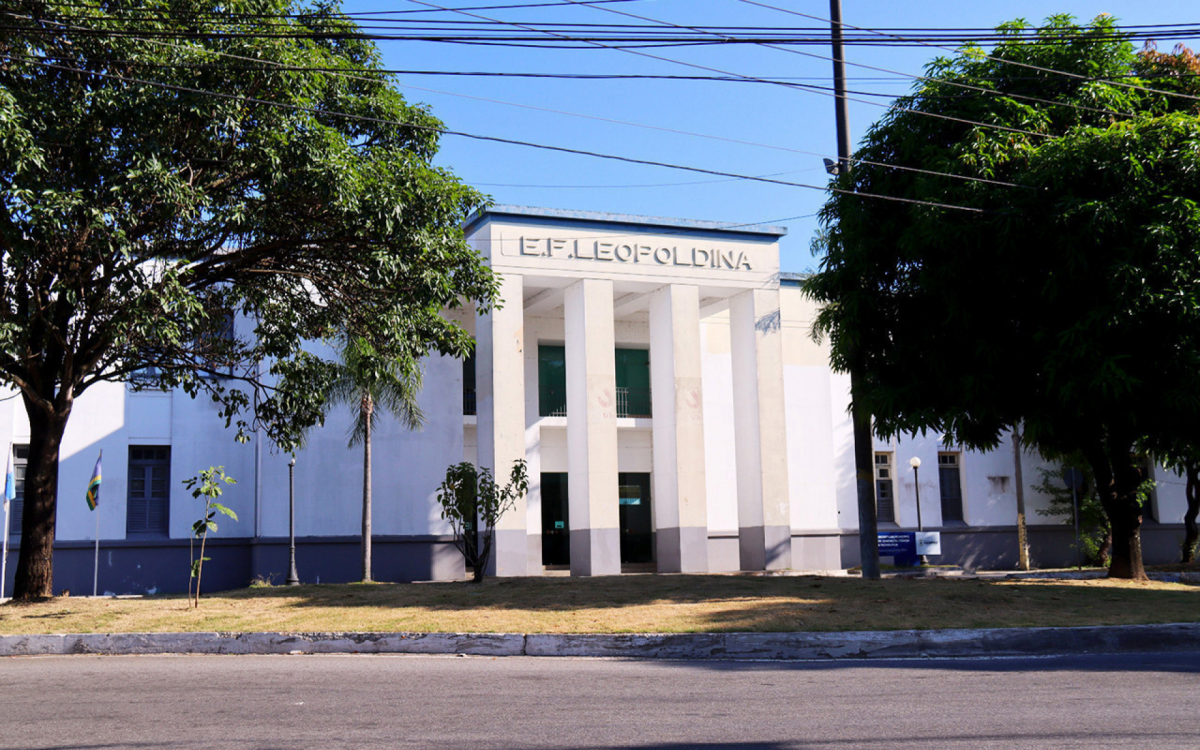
368,407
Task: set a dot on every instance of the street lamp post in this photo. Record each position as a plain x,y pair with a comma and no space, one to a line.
915,463
292,578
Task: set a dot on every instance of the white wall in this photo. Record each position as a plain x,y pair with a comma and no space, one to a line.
809,399
720,458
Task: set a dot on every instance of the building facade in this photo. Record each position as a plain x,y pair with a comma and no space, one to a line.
659,378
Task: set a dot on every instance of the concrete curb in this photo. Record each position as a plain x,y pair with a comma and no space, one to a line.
896,644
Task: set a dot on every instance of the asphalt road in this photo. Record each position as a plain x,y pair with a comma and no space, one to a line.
480,703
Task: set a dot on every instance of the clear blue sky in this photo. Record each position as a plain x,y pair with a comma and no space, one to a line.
771,122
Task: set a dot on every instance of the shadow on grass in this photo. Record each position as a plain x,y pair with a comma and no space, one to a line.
775,604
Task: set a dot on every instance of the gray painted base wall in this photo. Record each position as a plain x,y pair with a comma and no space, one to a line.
595,552
995,548
723,554
811,552
163,567
682,549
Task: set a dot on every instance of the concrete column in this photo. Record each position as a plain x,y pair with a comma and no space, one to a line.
533,452
500,388
760,431
680,500
592,428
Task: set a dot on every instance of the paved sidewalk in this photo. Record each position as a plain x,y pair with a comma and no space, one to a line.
727,646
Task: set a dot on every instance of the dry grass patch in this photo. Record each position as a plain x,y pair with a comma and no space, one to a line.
625,604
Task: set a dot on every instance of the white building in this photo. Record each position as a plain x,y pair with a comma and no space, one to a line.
659,378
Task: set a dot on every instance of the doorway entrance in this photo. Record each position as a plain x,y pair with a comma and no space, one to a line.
556,527
637,538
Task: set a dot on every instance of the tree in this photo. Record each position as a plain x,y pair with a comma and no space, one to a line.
370,383
472,502
1056,283
207,485
151,189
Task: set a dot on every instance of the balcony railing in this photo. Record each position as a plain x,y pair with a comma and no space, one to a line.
631,403
553,403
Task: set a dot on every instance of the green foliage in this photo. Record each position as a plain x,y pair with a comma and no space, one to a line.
136,219
1095,532
472,502
207,485
1093,524
370,381
1068,301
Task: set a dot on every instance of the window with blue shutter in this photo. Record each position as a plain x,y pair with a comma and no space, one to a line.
149,501
16,510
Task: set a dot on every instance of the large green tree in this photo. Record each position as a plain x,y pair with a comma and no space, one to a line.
1067,297
152,186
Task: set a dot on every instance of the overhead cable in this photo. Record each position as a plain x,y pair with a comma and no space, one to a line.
476,136
826,58
898,167
1002,60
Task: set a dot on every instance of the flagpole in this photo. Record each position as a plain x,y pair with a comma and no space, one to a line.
93,498
96,562
4,562
9,489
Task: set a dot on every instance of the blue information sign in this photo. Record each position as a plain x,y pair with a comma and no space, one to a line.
892,543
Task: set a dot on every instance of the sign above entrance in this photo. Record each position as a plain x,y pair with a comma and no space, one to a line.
616,251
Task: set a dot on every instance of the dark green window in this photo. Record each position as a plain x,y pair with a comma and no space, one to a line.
633,382
552,381
469,385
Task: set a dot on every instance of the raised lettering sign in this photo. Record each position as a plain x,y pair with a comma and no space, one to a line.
611,252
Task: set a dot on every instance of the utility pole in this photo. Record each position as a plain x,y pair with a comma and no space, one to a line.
864,444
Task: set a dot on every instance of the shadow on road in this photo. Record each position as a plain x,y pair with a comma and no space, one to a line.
1172,663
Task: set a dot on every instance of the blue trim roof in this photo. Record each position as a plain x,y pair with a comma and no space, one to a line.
624,221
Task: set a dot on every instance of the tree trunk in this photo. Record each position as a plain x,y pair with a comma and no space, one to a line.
1192,534
1117,480
484,551
35,564
367,409
1019,486
1105,549
864,467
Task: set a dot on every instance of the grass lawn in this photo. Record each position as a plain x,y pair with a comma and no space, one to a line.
627,604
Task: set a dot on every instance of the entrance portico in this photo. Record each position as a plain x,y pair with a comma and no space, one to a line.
597,285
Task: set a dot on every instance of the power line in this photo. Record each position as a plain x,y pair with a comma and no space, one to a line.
750,78
990,57
627,186
189,13
476,136
886,70
975,31
730,34
899,167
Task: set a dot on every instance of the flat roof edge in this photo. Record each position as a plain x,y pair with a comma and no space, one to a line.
597,217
